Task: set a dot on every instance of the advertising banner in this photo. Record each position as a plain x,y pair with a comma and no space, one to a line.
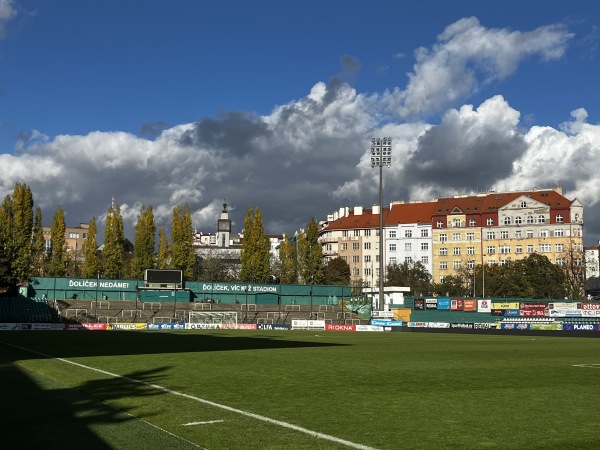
438,325
368,328
525,305
509,305
431,303
484,306
14,326
402,314
48,326
444,303
580,326
127,326
273,326
533,312
386,323
466,326
202,326
588,306
484,326
565,312
590,312
419,304
546,326
340,327
511,312
417,324
165,326
497,312
246,326
307,324
456,304
470,304
85,326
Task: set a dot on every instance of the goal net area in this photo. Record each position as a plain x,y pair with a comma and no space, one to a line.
212,320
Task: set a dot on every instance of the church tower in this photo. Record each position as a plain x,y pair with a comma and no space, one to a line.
223,228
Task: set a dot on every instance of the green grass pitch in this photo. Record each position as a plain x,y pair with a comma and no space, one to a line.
233,389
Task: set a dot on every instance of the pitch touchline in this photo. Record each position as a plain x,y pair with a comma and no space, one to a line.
216,405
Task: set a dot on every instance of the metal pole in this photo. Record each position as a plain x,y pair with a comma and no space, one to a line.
483,276
381,265
246,315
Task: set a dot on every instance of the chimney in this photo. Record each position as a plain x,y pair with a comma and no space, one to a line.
376,209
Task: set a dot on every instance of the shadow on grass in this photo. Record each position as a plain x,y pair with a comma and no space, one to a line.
63,344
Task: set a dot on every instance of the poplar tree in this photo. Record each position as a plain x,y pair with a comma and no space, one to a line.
6,224
22,217
182,241
58,251
255,256
114,239
145,241
288,262
310,254
91,265
38,246
164,250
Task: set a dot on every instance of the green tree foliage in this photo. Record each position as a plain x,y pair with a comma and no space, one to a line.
91,265
336,272
453,285
145,242
58,251
216,267
288,273
182,241
546,279
114,240
164,250
38,246
310,255
22,216
255,256
6,225
413,275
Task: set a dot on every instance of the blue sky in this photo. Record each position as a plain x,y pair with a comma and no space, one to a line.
273,104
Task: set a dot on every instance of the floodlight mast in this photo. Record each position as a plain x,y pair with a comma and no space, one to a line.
381,155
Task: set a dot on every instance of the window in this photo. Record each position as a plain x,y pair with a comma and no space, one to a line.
424,233
85,235
442,278
456,251
355,258
518,220
576,217
456,236
407,247
368,272
443,251
456,223
490,222
523,204
560,262
356,272
559,233
73,235
345,258
507,221
543,233
367,233
456,265
408,233
504,235
529,234
355,246
470,250
408,260
425,259
470,236
519,249
491,250
344,246
393,260
392,247
530,249
443,237
367,258
443,265
345,233
518,234
545,248
541,218
530,219
392,234
504,249
367,246
472,223
577,247
559,248
424,245
470,264
356,233
440,224
328,247
502,262
490,235
559,218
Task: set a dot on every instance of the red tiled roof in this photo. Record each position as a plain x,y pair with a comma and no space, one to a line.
411,213
357,221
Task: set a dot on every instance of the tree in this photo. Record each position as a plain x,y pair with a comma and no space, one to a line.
145,242
22,217
310,254
114,239
91,265
288,273
451,285
337,272
164,250
182,241
574,266
413,275
255,255
6,279
58,249
546,279
216,267
38,246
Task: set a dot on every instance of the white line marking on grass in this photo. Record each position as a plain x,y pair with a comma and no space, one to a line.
280,423
206,422
588,366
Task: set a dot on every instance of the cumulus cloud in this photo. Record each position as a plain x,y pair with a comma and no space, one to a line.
7,12
309,157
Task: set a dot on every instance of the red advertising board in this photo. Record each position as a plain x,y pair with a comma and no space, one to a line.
456,304
470,304
533,312
588,306
339,327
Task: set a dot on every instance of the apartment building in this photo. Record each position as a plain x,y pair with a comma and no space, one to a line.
74,236
453,233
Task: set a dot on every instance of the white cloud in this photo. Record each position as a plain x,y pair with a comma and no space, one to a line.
7,12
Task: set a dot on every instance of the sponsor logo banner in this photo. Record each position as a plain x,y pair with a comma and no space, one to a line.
456,304
565,312
514,326
536,306
431,303
532,312
202,326
419,303
368,328
484,326
511,312
590,312
273,326
546,326
14,326
468,326
484,305
444,303
165,326
470,304
126,326
588,306
580,326
383,314
497,312
386,323
340,327
246,326
48,326
438,325
509,305
303,323
417,324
